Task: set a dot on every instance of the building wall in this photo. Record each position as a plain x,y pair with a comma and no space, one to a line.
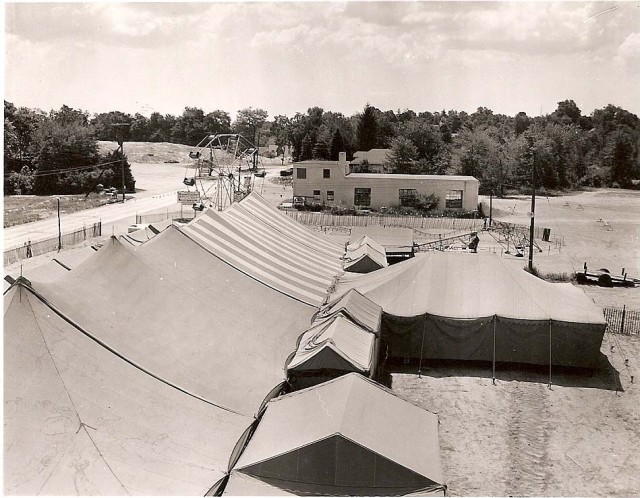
384,188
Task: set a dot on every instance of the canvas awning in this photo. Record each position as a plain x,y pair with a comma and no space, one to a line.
348,436
336,344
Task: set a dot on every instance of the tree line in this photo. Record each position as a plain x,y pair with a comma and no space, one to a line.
568,149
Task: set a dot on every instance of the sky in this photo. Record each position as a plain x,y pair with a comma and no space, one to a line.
286,57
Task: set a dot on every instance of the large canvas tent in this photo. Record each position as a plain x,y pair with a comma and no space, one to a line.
477,307
185,315
260,241
348,436
80,419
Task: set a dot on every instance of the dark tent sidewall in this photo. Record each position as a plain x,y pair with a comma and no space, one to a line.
516,341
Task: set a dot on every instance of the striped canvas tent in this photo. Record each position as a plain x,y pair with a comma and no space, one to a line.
265,244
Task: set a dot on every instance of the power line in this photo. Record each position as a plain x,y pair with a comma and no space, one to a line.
68,170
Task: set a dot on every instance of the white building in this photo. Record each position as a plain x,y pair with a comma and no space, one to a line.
331,183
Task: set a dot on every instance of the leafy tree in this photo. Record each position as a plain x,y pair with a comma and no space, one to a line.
367,131
402,156
248,122
337,145
320,151
522,122
567,112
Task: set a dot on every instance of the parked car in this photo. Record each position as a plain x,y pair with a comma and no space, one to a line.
261,174
286,172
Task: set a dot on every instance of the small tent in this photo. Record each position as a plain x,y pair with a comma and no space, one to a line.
355,306
364,256
347,437
331,348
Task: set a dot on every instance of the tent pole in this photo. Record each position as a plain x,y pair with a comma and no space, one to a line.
493,381
549,386
422,346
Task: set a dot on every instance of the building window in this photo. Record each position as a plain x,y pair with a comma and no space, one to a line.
454,199
326,173
330,195
362,197
301,173
408,196
316,195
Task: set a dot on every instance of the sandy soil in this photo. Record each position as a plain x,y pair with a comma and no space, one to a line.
579,438
599,227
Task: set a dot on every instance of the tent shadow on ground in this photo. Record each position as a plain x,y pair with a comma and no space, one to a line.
604,376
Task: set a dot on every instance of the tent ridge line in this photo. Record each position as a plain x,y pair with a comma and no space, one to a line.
123,357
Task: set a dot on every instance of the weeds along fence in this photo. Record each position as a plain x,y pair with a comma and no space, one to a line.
622,321
43,246
416,222
187,214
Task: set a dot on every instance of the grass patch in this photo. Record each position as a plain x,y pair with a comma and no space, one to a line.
552,276
21,209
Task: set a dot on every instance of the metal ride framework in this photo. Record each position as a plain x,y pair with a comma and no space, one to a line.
218,158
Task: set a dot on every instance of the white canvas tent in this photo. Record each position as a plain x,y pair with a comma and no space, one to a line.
347,437
448,305
335,344
79,419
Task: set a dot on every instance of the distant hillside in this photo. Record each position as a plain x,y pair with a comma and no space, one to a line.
150,152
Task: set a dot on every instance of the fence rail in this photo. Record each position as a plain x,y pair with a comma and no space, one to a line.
622,321
416,222
43,246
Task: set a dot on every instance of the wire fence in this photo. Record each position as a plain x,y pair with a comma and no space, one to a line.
187,214
622,321
43,246
415,222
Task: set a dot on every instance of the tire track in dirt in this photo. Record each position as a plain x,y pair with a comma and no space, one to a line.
528,439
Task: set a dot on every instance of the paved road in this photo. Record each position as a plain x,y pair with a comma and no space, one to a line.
117,215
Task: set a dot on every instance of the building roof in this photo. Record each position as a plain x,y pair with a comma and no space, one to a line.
390,176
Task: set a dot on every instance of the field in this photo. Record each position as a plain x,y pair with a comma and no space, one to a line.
21,209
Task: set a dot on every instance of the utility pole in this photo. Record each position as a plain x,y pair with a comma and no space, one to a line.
120,132
533,210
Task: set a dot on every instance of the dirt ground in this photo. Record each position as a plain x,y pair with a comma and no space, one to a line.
600,227
520,438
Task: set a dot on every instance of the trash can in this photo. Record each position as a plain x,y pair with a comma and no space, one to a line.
546,232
